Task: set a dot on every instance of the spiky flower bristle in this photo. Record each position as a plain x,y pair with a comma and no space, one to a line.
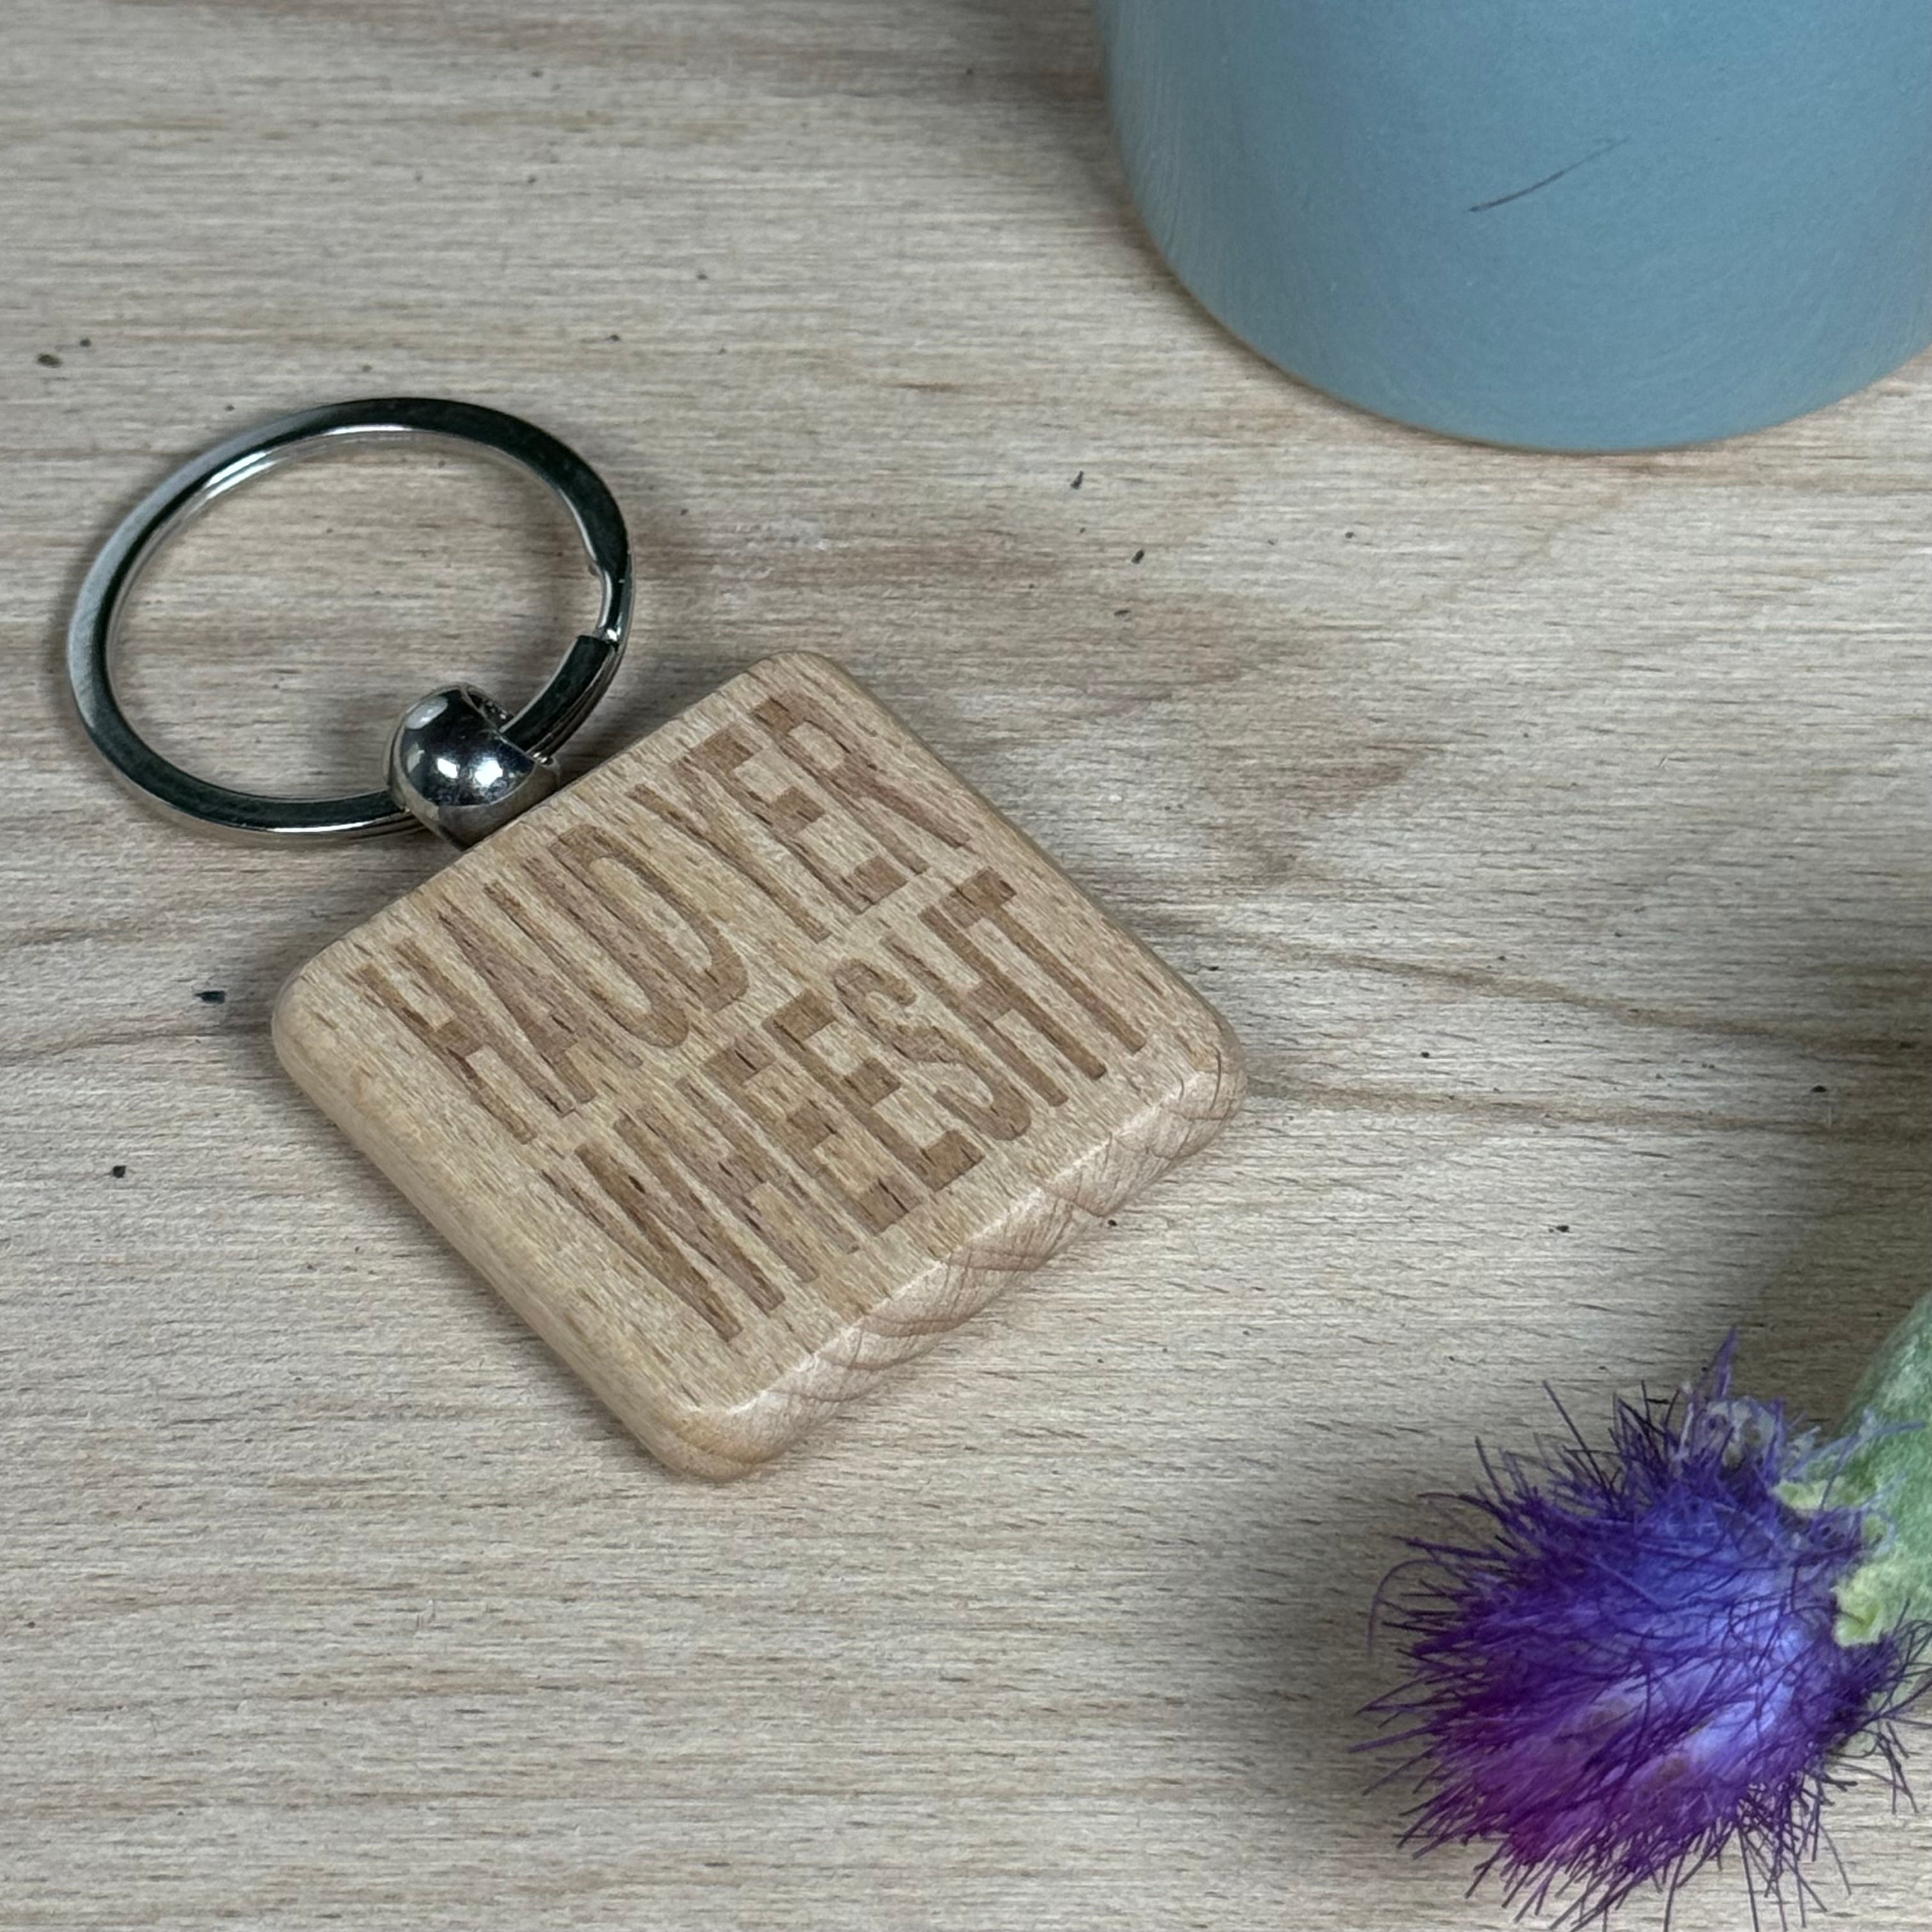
1629,1670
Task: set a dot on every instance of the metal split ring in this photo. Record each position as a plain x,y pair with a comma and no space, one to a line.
458,762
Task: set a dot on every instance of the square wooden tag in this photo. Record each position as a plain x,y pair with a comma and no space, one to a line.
755,1060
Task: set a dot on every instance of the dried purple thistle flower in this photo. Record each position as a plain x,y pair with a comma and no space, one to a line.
1640,1666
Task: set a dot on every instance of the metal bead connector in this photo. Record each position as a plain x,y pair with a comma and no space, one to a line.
453,765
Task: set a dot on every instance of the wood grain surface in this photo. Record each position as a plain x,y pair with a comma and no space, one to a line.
1556,834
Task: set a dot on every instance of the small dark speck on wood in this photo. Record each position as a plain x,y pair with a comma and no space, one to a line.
119,1170
47,359
1079,477
213,996
1562,1228
1138,555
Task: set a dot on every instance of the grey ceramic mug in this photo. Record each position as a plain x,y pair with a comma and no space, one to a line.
1569,224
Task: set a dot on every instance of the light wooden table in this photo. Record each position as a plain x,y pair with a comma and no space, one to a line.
1557,833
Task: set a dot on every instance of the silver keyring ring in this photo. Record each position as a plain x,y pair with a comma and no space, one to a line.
538,729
